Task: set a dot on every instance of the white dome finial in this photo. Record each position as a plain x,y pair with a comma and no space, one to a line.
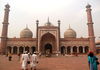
48,20
69,26
26,26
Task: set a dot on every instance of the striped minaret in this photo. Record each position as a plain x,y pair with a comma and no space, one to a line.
5,23
90,29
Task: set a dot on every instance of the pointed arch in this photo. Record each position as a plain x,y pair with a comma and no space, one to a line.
45,39
15,50
33,49
21,49
68,49
80,49
9,48
86,49
27,48
74,49
48,48
63,50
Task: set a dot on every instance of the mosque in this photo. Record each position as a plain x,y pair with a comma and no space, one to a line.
48,38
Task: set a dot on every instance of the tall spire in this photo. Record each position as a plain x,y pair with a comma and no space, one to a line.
69,26
5,21
37,25
26,26
48,19
90,28
5,30
48,22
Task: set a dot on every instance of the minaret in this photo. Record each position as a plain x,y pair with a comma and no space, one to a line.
59,34
5,23
90,29
37,24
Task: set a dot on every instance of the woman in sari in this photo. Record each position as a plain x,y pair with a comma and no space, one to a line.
92,60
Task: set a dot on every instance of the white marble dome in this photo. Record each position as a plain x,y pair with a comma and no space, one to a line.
26,33
69,33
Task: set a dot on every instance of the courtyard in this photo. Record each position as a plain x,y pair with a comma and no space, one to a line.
49,63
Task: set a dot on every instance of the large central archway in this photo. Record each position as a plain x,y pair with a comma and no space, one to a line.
48,42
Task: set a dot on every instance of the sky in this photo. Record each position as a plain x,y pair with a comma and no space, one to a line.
73,12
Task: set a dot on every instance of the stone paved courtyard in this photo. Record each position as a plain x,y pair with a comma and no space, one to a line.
52,63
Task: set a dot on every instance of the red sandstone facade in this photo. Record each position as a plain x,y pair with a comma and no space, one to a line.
47,38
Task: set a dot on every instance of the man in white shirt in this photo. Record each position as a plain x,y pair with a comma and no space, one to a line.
34,61
24,60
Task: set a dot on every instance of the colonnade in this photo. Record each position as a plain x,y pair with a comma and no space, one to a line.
74,49
16,50
63,49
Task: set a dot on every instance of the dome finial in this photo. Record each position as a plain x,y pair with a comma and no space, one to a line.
69,26
48,19
48,22
26,26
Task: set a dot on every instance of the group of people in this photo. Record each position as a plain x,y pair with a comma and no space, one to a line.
31,60
28,61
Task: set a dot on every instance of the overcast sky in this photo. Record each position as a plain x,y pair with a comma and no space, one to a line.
71,12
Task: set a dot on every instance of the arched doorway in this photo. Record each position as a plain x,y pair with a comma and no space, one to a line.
33,49
74,49
21,49
68,49
15,50
27,49
63,50
48,41
48,48
86,49
80,49
9,49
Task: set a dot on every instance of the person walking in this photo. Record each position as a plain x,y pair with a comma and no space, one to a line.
92,61
24,60
9,56
19,55
34,61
